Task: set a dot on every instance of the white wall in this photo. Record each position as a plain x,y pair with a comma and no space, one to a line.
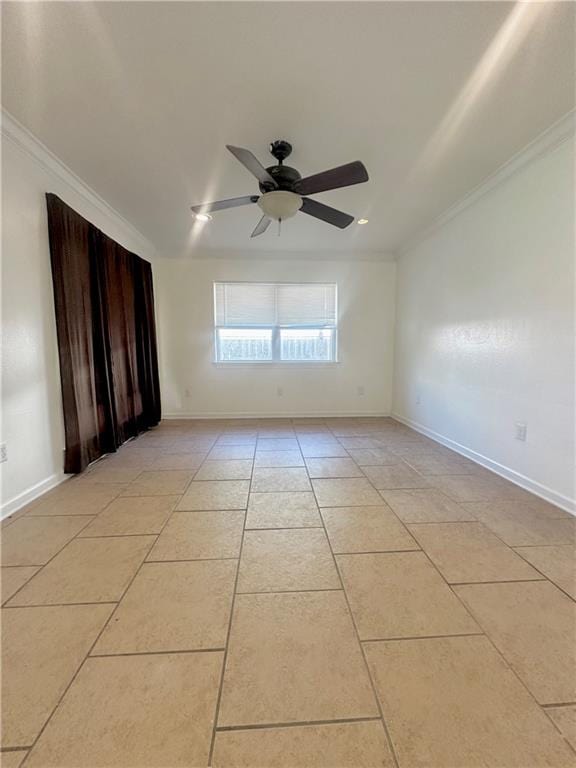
485,327
184,297
32,426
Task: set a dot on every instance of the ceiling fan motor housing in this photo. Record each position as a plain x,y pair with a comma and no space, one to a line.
284,176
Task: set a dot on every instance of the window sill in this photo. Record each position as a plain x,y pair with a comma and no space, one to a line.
274,363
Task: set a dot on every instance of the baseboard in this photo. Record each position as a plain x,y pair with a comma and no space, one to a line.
278,415
569,505
9,507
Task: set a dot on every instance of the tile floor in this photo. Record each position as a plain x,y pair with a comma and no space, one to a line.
330,593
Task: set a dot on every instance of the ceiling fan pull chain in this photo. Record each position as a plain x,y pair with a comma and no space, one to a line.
279,226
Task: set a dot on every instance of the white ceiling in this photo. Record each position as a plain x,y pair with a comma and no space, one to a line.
139,99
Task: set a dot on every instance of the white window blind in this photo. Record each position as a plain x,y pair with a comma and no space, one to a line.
266,322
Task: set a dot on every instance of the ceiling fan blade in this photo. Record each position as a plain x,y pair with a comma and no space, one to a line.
262,226
343,176
326,213
252,163
220,205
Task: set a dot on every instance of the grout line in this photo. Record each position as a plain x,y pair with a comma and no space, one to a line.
494,581
295,724
420,637
60,605
286,528
76,535
485,632
290,591
227,644
378,552
190,560
156,653
559,704
366,665
91,648
544,576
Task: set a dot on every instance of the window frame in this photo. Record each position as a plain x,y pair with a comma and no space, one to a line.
276,329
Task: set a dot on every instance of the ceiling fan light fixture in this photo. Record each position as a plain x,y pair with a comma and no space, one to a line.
280,204
202,217
362,221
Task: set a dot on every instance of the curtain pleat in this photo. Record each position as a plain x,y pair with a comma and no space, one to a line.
106,337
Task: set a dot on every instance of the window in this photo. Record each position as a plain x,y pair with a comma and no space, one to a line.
275,322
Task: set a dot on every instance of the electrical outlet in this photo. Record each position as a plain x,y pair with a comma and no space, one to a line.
280,392
360,391
521,430
3,452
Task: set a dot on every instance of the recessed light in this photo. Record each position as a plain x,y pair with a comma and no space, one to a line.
202,217
362,221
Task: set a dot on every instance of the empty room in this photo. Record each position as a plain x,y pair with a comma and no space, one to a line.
287,438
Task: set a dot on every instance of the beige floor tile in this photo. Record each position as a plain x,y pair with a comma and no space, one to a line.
396,476
279,480
452,702
159,483
41,650
14,578
333,467
233,469
337,745
134,711
534,625
200,535
277,444
294,657
12,759
179,461
126,459
425,506
215,494
546,509
465,552
278,459
359,442
400,594
105,471
87,571
286,560
75,497
478,487
565,719
270,432
297,509
531,505
34,540
239,439
130,516
231,452
441,465
520,525
366,457
366,529
173,607
322,449
349,492
556,563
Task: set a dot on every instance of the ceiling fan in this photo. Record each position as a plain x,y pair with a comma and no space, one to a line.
285,192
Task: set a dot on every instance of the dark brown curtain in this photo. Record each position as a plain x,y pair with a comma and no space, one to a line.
106,337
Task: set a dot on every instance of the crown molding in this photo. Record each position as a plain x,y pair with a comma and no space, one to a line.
27,143
559,132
